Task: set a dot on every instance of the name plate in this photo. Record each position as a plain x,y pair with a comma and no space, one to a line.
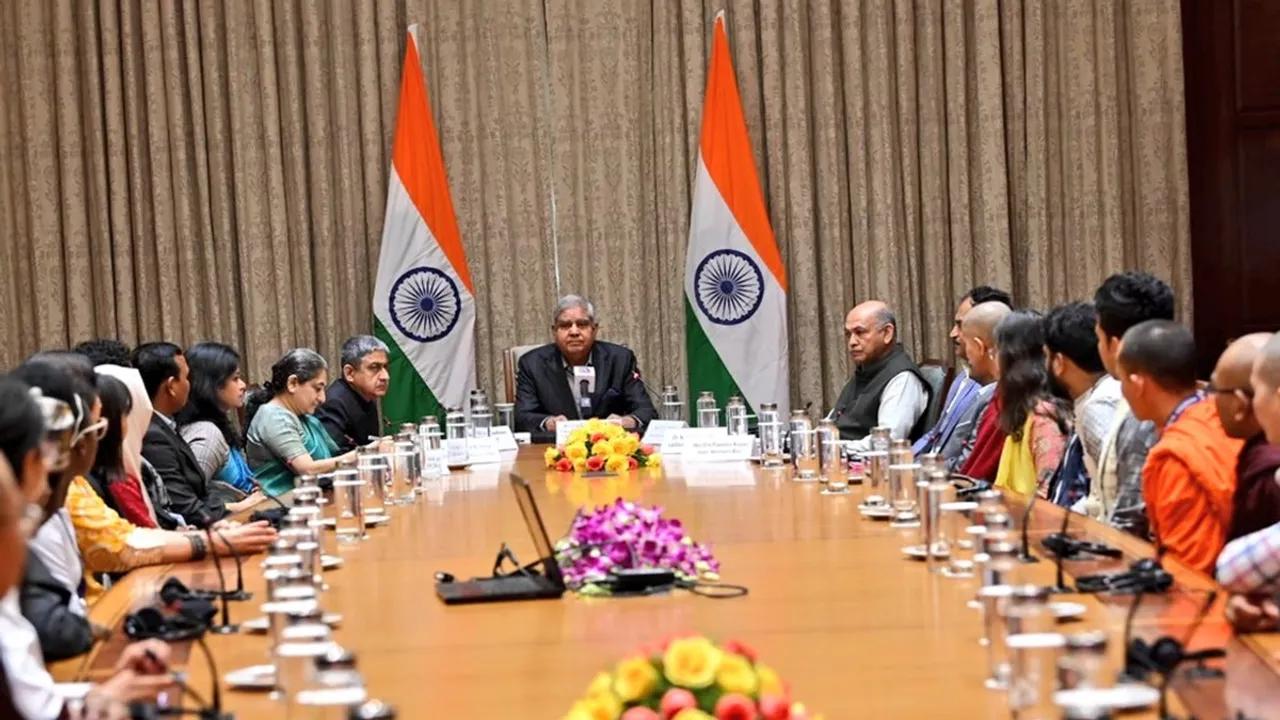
435,464
676,438
656,433
483,451
725,448
455,451
504,439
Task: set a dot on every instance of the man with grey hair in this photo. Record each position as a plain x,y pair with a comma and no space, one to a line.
577,377
887,388
350,409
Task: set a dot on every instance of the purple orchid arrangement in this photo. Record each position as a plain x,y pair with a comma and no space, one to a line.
625,535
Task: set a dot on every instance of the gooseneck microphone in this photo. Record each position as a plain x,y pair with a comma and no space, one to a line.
225,627
214,710
1026,556
239,594
273,498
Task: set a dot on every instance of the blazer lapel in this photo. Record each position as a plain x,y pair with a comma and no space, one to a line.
600,361
181,445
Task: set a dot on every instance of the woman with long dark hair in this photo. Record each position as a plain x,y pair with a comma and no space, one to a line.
217,389
285,439
119,489
1034,421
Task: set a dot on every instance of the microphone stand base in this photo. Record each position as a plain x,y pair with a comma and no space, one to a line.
230,629
1060,590
1028,558
239,596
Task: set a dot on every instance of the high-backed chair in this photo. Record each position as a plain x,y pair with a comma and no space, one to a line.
939,375
510,362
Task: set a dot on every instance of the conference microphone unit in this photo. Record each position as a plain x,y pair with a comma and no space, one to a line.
225,627
585,377
208,710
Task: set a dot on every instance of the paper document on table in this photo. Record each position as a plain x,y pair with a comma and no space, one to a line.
717,449
504,439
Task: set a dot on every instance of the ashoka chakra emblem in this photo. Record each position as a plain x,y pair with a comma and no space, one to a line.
728,287
425,304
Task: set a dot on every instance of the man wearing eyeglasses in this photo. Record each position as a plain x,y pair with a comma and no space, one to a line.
578,377
1257,496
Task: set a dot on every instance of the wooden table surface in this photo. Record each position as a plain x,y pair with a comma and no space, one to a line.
856,629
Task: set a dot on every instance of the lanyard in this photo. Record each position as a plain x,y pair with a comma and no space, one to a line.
1187,402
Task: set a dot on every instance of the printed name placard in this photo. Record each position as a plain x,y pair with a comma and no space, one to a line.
677,438
483,451
504,439
725,448
455,451
435,464
656,433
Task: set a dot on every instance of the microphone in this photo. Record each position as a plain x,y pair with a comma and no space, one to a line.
214,710
1026,556
239,593
1129,672
585,376
207,711
225,627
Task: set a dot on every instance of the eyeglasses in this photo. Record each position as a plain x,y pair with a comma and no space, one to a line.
1245,392
568,324
97,431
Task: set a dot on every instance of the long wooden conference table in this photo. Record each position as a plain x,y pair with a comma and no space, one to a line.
854,627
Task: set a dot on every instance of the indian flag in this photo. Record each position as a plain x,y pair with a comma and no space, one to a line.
424,302
735,285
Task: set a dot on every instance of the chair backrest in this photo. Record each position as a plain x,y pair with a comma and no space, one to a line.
510,359
939,375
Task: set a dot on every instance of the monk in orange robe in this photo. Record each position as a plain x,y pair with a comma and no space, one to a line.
1189,478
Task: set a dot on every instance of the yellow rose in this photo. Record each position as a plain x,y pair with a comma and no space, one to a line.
626,445
579,435
735,675
691,662
617,463
769,683
551,456
634,679
593,426
602,682
602,448
653,461
575,451
580,464
599,707
692,714
613,431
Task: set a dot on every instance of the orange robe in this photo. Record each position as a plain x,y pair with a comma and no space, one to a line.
1188,482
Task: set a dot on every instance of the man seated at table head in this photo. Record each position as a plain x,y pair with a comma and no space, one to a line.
1257,498
887,388
964,389
1189,477
577,377
979,428
350,409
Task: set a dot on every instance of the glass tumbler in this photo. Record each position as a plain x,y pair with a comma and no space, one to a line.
993,599
374,472
348,497
955,517
1033,678
1082,661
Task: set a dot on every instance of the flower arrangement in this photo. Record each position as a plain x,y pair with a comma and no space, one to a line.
689,678
628,535
601,445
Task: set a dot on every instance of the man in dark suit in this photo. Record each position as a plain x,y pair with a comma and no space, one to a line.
549,379
164,373
350,409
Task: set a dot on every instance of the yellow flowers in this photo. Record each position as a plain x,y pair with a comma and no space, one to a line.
601,448
551,456
736,675
574,451
653,461
692,662
635,678
769,682
617,463
601,445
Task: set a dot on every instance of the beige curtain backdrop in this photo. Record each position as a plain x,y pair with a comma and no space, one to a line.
217,170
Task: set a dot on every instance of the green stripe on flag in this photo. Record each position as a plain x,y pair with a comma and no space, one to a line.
408,398
706,369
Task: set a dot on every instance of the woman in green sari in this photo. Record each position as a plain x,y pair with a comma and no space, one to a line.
285,439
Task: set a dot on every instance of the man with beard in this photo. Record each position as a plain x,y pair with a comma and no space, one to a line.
350,409
1077,373
964,389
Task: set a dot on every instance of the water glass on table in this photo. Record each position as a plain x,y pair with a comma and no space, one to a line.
955,517
1033,676
348,501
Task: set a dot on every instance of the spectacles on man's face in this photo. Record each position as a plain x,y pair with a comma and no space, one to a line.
1245,392
566,325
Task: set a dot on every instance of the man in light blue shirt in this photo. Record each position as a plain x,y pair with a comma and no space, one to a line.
964,390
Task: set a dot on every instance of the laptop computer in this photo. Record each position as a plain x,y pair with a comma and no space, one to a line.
526,583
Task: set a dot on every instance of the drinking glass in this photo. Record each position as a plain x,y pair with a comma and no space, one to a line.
403,481
1082,661
955,517
877,464
902,488
831,452
1028,610
672,406
279,613
505,415
349,510
994,634
374,472
708,413
1033,679
770,439
804,454
296,654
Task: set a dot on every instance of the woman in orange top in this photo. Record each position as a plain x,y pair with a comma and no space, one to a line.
1189,478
